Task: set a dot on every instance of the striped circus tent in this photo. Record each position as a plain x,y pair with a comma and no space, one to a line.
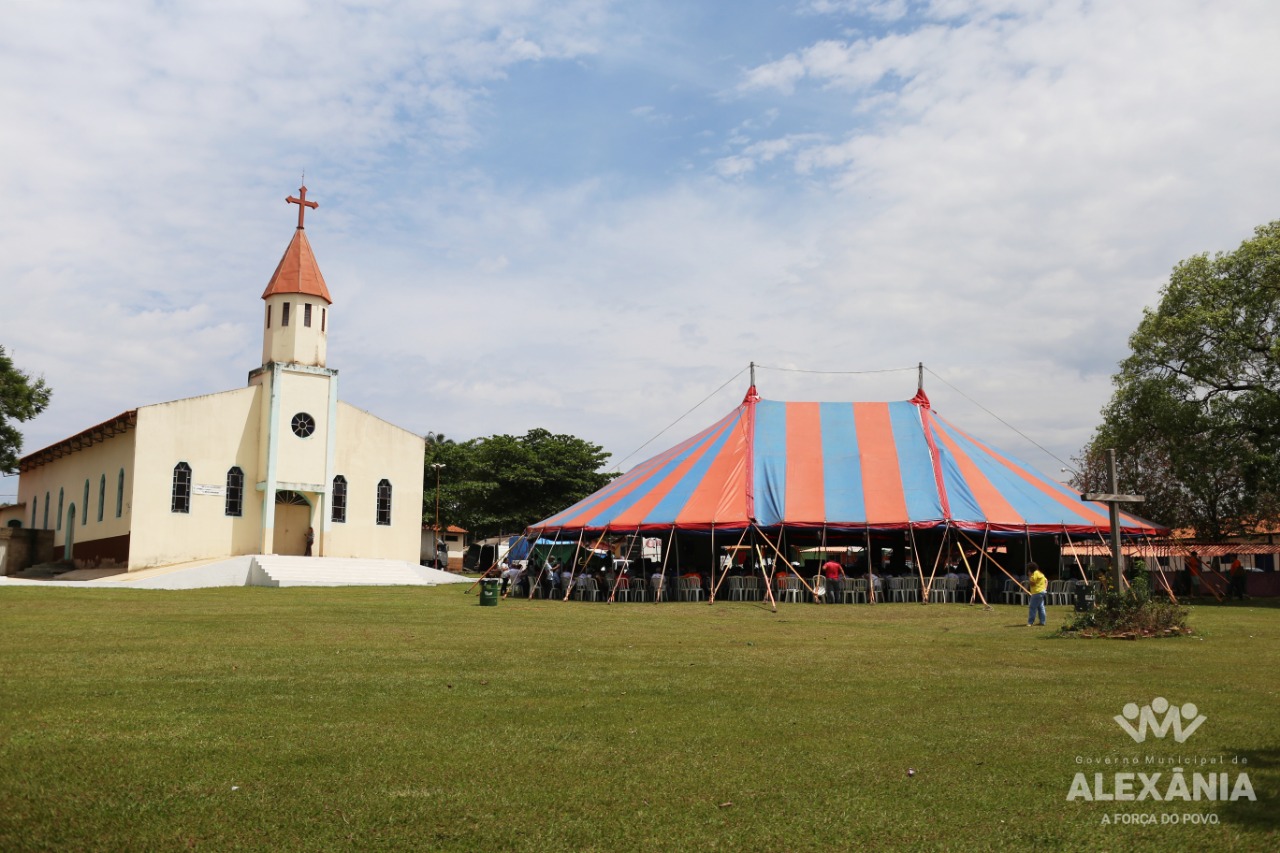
852,467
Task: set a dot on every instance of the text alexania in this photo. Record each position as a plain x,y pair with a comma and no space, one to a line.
1177,785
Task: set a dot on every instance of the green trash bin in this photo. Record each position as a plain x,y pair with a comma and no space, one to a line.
489,588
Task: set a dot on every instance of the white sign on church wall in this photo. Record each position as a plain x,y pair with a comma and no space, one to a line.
208,489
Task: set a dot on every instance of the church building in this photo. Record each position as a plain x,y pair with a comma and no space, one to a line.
281,466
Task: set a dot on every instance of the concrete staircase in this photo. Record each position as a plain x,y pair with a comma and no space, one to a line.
272,570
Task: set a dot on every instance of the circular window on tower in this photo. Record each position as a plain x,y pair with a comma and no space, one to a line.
303,425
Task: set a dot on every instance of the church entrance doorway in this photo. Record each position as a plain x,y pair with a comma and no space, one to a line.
293,519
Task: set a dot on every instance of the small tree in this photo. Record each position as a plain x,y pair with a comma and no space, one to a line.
504,483
21,399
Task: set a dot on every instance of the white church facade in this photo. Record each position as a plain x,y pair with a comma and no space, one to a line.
281,466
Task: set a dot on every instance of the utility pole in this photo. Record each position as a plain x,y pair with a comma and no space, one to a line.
1113,500
436,544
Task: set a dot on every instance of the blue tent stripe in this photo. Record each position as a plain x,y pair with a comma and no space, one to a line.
959,496
771,462
1034,506
919,488
841,465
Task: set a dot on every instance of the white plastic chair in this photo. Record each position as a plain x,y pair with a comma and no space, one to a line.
583,587
855,588
691,589
894,590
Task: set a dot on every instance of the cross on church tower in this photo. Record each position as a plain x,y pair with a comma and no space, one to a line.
302,204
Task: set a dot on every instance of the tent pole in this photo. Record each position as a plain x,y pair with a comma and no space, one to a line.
507,594
915,554
1016,582
1083,576
617,576
533,550
662,577
715,589
973,579
573,570
986,537
768,584
871,572
783,558
936,557
1156,562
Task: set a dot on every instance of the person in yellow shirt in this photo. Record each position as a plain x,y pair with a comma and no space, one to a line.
1037,584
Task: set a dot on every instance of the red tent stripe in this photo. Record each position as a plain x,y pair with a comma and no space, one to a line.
806,488
721,496
881,475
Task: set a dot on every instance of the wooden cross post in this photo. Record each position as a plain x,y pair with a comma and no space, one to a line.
302,204
1113,500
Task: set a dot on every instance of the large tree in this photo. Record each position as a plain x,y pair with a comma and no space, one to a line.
21,399
503,483
1195,417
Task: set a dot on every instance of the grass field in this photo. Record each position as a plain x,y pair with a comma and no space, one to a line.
410,718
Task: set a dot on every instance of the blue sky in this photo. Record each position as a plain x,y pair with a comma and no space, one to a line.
589,215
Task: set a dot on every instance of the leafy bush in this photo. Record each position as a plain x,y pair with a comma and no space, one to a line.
1130,614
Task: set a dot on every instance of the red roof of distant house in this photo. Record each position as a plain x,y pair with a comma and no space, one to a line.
298,271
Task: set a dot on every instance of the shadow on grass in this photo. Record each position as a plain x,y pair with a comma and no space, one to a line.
1264,776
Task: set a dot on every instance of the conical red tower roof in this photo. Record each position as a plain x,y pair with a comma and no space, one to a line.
298,271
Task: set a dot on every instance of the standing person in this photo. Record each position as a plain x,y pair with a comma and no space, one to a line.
1193,571
1037,584
1237,586
550,578
833,572
311,539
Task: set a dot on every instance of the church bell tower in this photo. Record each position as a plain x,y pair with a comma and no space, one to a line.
296,324
299,403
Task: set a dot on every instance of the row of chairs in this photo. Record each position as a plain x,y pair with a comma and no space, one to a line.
630,589
1057,592
793,589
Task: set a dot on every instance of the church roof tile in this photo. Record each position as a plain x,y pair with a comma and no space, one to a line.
298,271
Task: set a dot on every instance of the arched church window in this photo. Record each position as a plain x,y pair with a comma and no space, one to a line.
35,503
268,316
102,496
284,314
181,501
306,314
235,492
384,502
84,505
323,314
59,509
120,494
339,499
45,526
